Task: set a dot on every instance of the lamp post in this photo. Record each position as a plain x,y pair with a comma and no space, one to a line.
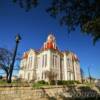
17,39
89,74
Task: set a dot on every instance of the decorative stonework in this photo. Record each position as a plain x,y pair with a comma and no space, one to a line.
34,64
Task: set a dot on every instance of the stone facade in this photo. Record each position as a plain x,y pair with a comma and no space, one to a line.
35,64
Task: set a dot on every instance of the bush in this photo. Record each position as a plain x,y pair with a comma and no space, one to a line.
77,82
42,82
52,82
60,82
66,82
63,82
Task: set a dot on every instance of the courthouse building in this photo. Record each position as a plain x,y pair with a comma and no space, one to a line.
35,64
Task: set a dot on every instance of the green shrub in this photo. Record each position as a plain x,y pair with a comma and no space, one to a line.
60,82
77,82
68,82
42,82
52,82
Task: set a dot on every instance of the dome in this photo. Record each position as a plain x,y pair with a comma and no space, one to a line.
50,43
51,38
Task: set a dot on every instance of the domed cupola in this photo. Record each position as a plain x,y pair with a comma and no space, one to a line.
50,43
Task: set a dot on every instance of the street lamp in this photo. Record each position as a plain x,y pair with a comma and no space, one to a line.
89,74
17,39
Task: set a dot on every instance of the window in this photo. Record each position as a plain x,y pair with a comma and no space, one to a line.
42,76
44,60
54,60
61,68
62,62
30,62
69,64
31,59
68,61
35,64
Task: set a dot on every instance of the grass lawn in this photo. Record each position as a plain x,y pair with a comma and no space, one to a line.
38,85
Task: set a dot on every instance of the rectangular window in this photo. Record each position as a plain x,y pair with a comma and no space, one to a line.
31,59
61,76
42,76
30,62
54,60
45,60
68,61
62,62
35,64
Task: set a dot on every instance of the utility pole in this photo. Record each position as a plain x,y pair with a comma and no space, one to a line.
18,38
89,74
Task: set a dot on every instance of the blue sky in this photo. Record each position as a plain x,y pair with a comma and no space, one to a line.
34,27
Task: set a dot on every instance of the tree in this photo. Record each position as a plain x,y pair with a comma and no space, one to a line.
26,4
51,75
78,13
73,13
5,61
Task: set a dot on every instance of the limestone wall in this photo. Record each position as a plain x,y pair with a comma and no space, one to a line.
55,93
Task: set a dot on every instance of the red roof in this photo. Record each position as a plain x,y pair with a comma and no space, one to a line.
49,45
25,56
